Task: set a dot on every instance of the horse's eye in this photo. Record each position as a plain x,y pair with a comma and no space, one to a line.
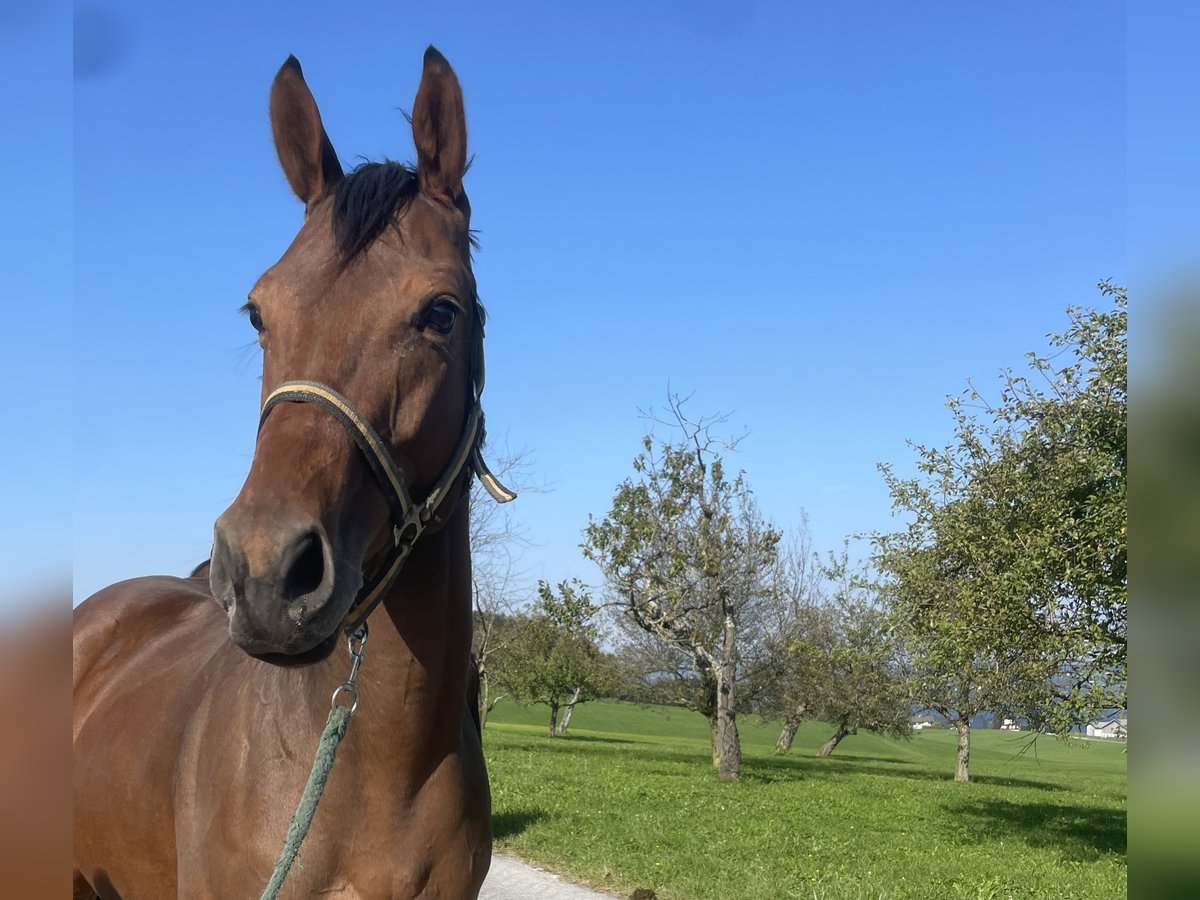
255,317
441,316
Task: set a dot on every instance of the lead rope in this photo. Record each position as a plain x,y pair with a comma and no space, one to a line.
331,737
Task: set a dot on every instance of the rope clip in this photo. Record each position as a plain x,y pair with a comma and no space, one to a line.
356,643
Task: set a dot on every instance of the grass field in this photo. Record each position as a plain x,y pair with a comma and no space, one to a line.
630,800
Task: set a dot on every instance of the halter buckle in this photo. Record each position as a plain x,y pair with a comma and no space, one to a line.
406,533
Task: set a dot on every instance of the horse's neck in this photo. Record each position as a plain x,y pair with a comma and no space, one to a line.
414,672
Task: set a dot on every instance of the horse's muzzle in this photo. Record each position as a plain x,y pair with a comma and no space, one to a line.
278,586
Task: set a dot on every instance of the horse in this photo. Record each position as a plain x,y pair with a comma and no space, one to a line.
198,701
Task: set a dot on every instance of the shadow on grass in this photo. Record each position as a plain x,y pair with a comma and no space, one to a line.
1008,781
762,769
541,739
774,769
591,739
511,823
854,757
1079,833
770,769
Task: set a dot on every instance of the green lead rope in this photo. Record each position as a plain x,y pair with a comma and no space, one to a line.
335,730
327,747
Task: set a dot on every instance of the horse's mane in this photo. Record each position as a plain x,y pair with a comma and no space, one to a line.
367,200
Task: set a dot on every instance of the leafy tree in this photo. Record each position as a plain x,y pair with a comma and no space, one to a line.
967,646
553,658
651,673
865,687
687,555
1061,434
1009,583
835,659
800,672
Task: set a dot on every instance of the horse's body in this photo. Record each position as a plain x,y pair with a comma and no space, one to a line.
195,725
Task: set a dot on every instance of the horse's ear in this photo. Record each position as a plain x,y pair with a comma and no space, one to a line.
440,130
307,156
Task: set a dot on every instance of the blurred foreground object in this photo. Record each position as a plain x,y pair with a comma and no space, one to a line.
35,748
1165,434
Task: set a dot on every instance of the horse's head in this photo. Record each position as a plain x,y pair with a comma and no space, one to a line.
375,301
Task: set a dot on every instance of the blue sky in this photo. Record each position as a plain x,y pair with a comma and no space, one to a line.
819,218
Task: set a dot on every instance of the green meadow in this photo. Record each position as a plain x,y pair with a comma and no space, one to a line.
629,800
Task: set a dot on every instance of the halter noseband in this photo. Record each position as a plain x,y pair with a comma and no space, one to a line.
409,519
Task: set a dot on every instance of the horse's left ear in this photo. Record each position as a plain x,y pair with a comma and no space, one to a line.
440,130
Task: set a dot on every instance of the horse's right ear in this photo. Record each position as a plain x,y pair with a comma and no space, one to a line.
307,156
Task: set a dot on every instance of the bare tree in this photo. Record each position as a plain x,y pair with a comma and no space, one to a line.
497,542
687,557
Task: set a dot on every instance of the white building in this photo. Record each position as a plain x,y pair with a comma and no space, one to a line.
1113,729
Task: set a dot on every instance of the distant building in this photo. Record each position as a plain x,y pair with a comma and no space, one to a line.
919,722
1009,725
1114,729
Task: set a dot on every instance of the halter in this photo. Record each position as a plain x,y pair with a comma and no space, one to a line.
409,519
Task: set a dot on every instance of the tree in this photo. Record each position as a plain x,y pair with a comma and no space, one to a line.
1063,431
498,621
865,687
554,658
833,657
966,645
787,677
800,672
1009,584
497,540
685,553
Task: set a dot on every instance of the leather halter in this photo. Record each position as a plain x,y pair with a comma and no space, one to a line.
409,519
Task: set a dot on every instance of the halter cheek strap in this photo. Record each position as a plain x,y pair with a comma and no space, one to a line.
409,519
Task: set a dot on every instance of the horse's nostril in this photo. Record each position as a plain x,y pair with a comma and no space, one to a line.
307,569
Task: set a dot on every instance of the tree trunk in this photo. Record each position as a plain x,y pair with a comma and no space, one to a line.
834,740
484,706
790,725
568,709
786,736
962,767
553,717
784,744
727,745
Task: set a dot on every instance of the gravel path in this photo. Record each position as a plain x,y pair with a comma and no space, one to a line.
512,879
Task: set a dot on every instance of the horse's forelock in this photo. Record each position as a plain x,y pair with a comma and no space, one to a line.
367,200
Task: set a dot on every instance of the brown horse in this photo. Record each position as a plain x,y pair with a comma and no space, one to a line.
196,718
